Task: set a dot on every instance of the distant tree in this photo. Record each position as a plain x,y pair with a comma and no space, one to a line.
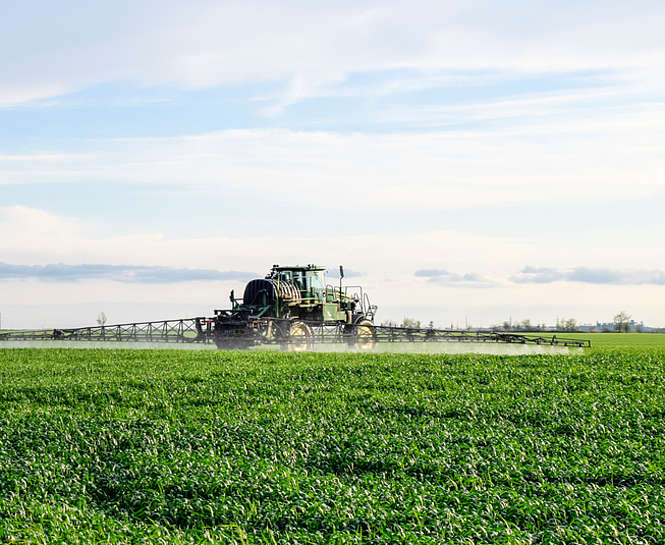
102,319
389,323
566,324
507,326
569,325
410,323
622,322
525,325
430,325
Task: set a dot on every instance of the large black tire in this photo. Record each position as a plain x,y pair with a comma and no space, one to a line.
363,336
300,337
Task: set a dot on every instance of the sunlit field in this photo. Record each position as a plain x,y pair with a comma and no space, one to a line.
612,341
266,447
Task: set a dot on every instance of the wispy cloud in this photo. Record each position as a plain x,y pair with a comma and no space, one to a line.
13,96
311,46
548,275
441,276
393,170
117,273
586,275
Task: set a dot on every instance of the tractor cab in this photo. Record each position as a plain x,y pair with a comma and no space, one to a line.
309,280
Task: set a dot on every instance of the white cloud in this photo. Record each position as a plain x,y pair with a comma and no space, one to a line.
23,227
603,276
60,272
387,261
12,95
40,238
72,44
611,156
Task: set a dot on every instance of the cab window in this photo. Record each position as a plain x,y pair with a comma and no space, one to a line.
297,279
315,283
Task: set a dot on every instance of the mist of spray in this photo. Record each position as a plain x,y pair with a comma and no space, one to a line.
451,348
394,348
100,344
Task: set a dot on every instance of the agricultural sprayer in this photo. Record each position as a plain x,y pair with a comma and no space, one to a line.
292,308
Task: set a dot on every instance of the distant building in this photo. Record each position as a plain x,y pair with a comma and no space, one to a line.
609,326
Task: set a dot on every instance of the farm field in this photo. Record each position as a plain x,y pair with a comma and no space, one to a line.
169,446
622,341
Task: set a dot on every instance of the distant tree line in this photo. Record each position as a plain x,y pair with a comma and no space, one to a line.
569,324
622,323
408,323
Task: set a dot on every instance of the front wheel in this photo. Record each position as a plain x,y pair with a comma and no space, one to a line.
364,336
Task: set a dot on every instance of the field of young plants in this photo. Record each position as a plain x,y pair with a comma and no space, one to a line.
166,446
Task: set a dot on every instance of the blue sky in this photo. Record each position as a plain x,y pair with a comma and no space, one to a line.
474,138
376,101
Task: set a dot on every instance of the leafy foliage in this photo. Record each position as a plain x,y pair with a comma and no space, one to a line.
264,447
622,322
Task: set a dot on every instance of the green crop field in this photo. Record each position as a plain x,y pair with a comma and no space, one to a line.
622,341
603,342
157,446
